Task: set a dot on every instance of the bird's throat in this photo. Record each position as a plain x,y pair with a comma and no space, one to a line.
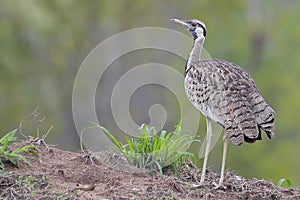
195,55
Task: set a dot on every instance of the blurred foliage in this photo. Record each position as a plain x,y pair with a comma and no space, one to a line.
44,42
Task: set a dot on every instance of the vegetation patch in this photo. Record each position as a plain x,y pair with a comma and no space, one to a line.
153,151
13,156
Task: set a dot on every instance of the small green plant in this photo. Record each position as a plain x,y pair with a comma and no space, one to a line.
13,156
27,181
153,151
282,181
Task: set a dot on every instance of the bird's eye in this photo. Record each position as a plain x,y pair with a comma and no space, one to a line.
194,24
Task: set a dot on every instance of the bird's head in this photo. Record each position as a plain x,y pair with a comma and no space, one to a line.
195,27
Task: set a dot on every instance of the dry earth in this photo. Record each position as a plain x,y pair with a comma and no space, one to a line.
60,174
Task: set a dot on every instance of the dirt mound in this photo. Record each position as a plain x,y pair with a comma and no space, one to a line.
60,174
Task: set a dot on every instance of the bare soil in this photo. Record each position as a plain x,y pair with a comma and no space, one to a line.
61,174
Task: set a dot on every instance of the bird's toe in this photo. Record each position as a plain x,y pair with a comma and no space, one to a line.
219,186
197,185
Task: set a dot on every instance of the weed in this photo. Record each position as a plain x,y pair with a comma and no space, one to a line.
154,151
13,156
282,181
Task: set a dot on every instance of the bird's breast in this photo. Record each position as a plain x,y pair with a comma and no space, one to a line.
201,96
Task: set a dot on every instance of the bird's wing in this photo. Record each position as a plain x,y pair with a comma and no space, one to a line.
237,102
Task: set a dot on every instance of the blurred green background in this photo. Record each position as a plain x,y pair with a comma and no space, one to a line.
44,42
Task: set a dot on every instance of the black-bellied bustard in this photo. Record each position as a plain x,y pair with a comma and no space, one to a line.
225,93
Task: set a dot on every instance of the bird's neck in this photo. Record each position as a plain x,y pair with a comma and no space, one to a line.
195,54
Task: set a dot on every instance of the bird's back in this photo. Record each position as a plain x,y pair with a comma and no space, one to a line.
224,92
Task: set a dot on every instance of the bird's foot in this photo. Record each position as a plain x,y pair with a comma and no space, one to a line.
200,184
197,185
219,186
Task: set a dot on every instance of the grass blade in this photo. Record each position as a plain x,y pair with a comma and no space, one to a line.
282,181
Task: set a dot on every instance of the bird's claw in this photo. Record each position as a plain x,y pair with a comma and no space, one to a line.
197,185
219,186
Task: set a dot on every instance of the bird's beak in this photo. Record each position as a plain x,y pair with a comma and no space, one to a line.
178,21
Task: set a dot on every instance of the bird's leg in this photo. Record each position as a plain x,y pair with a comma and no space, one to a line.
220,185
207,148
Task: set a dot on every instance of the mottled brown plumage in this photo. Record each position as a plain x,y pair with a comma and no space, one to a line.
225,93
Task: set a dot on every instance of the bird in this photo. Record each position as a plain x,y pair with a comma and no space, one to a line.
226,94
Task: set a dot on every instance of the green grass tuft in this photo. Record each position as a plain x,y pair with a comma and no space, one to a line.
13,156
154,151
282,181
